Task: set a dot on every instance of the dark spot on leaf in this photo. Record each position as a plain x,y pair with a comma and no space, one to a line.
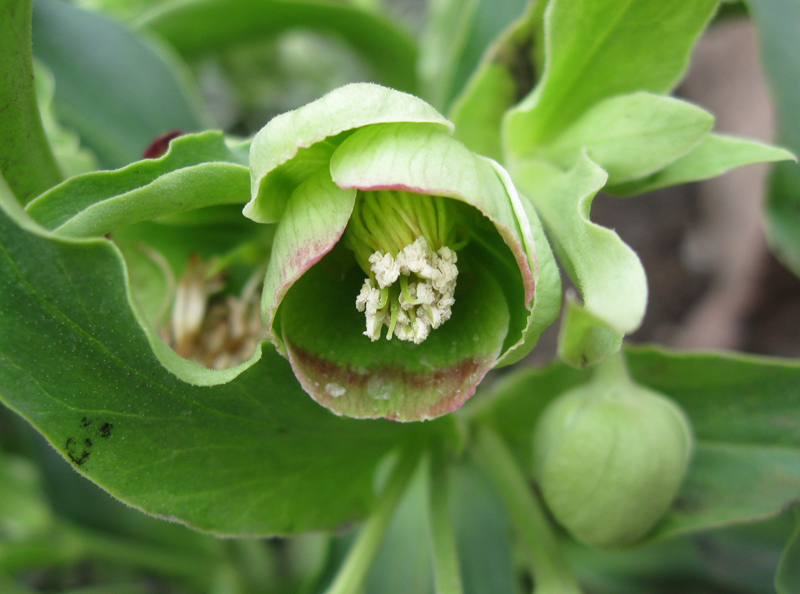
85,422
74,452
88,442
105,430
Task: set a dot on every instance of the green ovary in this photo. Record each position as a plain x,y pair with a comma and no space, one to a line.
406,245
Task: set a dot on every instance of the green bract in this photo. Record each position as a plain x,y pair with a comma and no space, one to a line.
404,265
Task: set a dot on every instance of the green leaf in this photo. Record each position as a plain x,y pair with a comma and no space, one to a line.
403,562
746,416
26,160
482,528
71,158
605,270
597,49
252,456
631,136
715,155
456,35
207,26
443,38
500,80
787,579
777,21
198,170
118,90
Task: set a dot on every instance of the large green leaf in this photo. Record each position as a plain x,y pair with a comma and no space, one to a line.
253,456
26,161
118,90
198,170
746,416
596,49
778,21
194,28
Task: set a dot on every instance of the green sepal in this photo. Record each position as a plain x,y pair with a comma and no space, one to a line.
294,145
198,170
499,81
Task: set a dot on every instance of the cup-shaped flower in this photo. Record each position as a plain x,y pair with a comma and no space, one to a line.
404,266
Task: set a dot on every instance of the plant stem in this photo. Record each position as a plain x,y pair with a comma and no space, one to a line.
353,572
447,573
550,571
612,370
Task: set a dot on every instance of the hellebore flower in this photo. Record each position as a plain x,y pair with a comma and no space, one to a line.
404,266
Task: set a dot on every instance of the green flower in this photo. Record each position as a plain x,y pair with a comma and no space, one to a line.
404,267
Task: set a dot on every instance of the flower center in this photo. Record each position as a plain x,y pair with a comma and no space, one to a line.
405,243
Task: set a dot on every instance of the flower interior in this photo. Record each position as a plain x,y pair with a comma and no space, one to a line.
406,245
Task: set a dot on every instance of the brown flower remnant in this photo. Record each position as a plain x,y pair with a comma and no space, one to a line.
213,330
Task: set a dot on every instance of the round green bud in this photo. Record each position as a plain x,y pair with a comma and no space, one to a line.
610,457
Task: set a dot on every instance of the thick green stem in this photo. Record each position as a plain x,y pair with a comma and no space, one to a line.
612,370
353,573
550,571
447,573
26,159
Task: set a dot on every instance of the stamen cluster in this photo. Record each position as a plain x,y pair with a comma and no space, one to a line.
403,242
409,308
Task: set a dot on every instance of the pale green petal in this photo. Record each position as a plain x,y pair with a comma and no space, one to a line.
316,216
287,149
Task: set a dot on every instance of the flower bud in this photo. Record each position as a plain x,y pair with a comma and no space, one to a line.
610,457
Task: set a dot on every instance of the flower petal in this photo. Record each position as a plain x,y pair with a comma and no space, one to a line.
287,149
349,374
425,160
316,216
